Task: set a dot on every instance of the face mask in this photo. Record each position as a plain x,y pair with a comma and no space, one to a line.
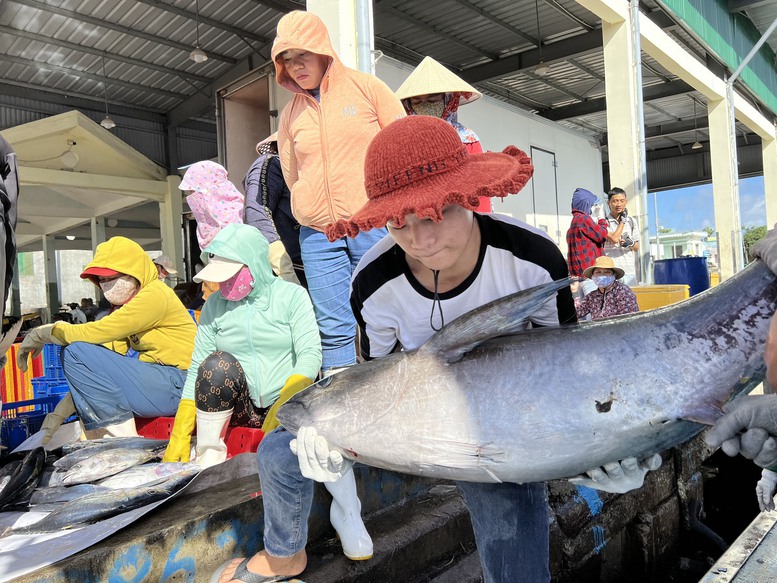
603,280
120,290
426,108
238,286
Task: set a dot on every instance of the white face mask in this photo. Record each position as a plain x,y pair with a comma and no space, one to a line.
120,290
603,280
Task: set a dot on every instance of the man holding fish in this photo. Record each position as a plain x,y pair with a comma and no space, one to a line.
441,261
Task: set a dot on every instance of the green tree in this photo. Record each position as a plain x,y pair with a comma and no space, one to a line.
750,236
664,230
710,231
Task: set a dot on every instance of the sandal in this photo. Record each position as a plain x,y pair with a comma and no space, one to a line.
243,574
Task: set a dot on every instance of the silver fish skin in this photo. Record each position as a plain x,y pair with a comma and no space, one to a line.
104,464
546,403
62,494
99,506
146,474
81,450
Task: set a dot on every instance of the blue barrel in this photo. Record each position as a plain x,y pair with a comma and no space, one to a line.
688,270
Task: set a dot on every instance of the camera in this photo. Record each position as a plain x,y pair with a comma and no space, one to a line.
627,242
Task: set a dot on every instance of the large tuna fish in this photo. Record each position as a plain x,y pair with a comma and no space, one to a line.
484,403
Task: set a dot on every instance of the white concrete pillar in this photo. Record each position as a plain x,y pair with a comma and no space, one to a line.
769,154
626,147
50,276
725,187
340,19
98,232
170,224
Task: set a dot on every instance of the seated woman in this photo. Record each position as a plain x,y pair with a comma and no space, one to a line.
611,297
107,387
257,344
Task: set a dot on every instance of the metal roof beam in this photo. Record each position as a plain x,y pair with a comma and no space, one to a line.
282,6
97,52
498,21
599,104
78,17
568,14
560,50
205,20
434,30
90,76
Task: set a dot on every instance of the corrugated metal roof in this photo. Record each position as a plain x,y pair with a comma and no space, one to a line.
59,46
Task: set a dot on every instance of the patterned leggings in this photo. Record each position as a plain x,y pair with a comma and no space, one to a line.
221,385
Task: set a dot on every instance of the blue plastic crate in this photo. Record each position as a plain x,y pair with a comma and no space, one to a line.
47,387
52,356
18,425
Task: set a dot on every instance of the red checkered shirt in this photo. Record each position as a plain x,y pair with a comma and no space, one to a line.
585,241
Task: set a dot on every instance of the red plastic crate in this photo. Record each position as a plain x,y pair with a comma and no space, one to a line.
238,439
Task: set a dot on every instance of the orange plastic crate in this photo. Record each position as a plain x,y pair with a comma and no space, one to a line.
238,439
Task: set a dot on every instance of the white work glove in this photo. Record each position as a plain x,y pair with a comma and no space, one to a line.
281,262
766,249
34,342
53,420
619,477
316,461
597,212
756,416
764,490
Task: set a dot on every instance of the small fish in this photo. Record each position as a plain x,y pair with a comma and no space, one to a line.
104,464
146,474
23,480
101,505
61,494
81,450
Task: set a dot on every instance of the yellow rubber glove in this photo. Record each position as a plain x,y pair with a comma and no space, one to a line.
179,448
281,262
64,409
294,384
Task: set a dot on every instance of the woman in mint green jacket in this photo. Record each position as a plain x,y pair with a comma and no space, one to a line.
257,344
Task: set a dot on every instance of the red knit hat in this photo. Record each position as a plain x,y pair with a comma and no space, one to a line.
418,165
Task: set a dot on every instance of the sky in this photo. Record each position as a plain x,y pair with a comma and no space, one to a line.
691,209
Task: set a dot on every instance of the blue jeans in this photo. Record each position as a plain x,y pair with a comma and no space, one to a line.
287,495
512,530
328,268
109,388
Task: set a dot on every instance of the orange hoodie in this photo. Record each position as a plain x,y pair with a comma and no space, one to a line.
322,145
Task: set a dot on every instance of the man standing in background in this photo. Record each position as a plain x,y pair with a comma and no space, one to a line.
622,241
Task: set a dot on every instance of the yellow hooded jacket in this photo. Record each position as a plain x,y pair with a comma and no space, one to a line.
322,144
154,322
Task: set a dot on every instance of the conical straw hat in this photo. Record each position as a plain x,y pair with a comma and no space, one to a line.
431,77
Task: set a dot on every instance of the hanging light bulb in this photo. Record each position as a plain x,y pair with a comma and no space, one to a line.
542,67
696,143
107,122
197,55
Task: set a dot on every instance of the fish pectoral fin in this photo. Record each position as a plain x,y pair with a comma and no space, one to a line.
705,414
501,317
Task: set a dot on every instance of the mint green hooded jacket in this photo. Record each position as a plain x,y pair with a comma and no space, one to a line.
272,332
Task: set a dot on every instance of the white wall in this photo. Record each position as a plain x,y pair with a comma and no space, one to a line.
578,159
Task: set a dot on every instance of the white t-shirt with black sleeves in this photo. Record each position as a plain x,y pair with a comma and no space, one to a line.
392,308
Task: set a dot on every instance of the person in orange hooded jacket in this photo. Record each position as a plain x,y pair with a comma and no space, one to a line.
323,136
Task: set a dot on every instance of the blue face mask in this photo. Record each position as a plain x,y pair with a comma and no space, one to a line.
603,280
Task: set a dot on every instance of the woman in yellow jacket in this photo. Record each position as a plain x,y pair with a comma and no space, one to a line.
322,139
134,360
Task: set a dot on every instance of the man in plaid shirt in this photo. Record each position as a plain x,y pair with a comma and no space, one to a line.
587,233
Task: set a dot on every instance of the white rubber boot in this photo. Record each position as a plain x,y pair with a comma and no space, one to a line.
345,515
211,428
124,429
